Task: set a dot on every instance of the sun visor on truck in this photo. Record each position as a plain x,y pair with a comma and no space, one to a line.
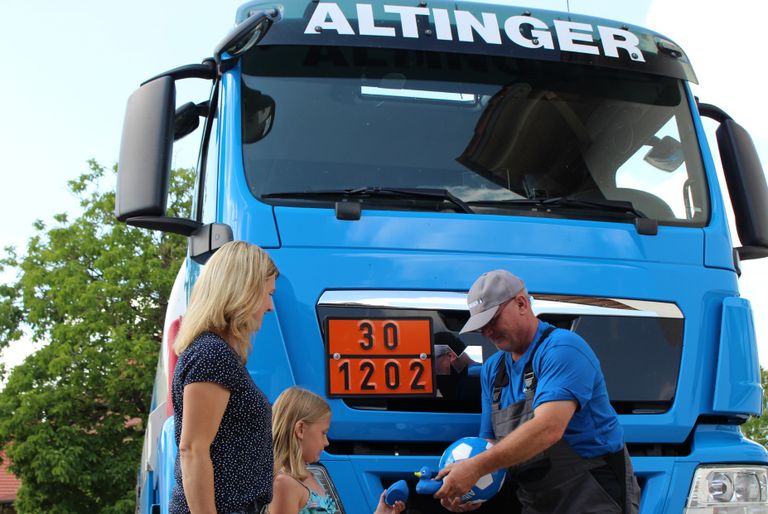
480,29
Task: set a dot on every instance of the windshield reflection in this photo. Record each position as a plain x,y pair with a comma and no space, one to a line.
486,129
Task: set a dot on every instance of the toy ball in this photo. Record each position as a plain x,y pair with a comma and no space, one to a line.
488,485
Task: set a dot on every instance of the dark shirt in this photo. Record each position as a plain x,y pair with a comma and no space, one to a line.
241,451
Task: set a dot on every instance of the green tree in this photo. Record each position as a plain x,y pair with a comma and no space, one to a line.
757,428
95,291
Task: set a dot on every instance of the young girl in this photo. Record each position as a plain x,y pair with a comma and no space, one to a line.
300,422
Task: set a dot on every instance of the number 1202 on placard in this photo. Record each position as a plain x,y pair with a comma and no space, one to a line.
379,357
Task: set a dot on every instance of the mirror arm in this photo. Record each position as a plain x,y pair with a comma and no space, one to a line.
207,239
206,70
713,112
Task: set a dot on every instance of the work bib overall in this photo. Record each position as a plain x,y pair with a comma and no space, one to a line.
559,480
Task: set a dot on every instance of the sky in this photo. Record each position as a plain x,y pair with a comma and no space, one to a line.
69,68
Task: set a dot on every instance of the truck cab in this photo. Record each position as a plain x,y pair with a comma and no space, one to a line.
387,155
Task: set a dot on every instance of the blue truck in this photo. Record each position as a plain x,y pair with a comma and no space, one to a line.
385,155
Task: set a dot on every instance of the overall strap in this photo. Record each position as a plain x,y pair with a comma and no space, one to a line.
502,378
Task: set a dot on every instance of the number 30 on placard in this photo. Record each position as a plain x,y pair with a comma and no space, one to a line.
369,339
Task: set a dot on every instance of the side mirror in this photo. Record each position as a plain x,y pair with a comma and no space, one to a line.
746,187
258,114
244,35
145,151
187,118
150,127
665,154
746,183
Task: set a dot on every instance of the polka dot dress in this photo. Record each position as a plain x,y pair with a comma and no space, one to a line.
242,448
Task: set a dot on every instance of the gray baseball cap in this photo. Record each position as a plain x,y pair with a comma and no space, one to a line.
487,293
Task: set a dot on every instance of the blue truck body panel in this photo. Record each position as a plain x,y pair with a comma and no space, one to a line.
737,387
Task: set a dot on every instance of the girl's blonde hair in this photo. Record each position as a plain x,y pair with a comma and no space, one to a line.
293,405
225,296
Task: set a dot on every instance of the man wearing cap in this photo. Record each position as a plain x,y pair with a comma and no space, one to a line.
546,406
455,371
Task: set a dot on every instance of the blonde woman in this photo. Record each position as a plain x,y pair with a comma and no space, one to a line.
300,423
223,421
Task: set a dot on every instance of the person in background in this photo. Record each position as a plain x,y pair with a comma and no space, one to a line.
546,406
223,420
300,423
456,374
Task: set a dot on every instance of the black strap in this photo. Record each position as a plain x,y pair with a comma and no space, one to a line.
616,462
502,378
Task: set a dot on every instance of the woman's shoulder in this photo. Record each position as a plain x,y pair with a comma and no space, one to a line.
209,359
209,339
209,343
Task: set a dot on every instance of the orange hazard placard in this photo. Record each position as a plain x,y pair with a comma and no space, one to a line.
379,357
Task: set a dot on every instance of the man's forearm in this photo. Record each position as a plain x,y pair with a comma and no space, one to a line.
528,440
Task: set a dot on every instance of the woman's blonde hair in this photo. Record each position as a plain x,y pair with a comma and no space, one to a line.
225,296
293,405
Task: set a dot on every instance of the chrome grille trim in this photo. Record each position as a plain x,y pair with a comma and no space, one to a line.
436,300
542,304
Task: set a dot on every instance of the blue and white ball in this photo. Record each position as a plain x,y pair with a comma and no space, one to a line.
488,485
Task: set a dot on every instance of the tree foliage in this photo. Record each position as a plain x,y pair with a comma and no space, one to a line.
94,290
757,428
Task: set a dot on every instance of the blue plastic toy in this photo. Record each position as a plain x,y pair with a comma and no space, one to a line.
427,485
396,492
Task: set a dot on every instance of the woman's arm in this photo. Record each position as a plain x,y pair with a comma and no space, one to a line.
288,497
204,406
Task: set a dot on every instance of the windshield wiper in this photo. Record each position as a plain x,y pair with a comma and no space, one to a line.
643,224
606,205
379,192
618,206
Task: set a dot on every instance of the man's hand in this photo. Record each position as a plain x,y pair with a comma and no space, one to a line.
455,505
458,478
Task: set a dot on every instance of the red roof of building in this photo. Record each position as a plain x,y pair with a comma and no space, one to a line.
9,484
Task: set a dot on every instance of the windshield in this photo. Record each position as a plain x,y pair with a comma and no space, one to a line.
501,135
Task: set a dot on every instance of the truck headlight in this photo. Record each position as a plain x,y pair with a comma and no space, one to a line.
324,479
729,490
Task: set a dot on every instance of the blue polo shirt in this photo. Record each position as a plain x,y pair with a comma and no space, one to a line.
566,369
